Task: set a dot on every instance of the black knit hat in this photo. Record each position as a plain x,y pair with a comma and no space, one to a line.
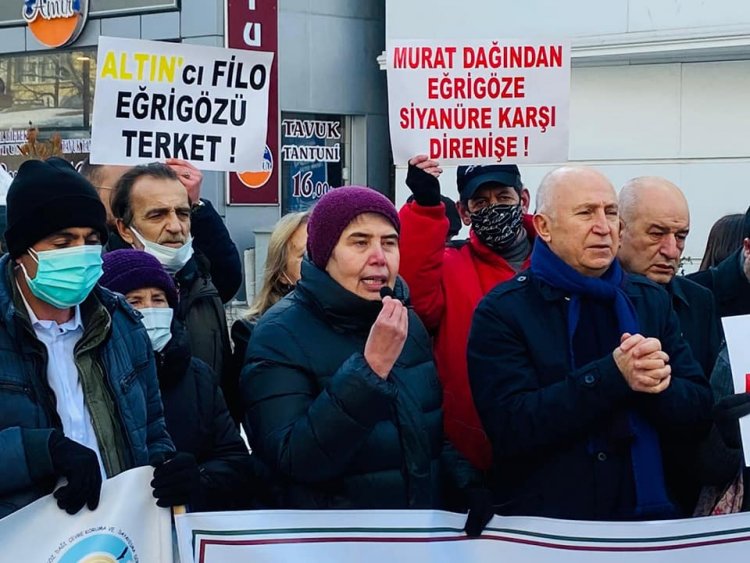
46,197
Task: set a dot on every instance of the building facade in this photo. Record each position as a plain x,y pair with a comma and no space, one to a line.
658,88
330,119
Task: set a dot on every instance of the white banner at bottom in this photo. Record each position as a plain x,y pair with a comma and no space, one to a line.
406,536
127,527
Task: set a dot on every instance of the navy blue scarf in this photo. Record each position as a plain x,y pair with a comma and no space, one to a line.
645,452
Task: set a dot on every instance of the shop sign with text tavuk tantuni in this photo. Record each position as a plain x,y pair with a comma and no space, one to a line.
253,25
55,23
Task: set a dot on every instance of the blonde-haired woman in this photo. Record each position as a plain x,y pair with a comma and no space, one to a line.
286,249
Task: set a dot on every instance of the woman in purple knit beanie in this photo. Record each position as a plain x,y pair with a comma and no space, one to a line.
211,469
339,385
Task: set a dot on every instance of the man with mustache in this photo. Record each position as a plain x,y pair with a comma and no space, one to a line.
152,213
218,256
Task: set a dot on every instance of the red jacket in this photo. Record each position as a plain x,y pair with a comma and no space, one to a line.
446,286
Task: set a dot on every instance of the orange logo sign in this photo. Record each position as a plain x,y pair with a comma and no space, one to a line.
56,23
254,179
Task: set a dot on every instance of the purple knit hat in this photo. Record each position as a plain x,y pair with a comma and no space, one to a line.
333,213
129,269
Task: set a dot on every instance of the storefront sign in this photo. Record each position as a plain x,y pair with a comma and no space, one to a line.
312,158
56,23
253,25
10,10
17,146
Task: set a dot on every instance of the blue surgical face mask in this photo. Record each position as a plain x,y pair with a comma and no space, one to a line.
158,323
65,276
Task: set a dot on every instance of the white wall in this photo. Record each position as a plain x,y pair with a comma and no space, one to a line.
658,88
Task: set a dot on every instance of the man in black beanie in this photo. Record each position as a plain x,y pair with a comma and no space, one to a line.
79,399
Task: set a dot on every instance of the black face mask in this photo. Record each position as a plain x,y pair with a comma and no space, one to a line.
498,226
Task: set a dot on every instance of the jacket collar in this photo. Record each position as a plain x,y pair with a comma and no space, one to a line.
7,303
676,290
342,309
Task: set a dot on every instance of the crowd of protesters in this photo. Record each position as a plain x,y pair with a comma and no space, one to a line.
552,364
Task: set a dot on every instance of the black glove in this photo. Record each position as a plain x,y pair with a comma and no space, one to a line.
727,411
424,186
176,480
481,511
80,466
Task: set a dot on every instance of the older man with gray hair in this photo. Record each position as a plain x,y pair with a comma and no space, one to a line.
579,372
655,223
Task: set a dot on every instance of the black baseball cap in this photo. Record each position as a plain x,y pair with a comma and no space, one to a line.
471,178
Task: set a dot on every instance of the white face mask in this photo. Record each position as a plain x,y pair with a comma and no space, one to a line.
173,259
158,323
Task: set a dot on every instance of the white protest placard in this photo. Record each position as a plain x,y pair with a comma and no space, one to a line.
156,100
405,536
478,102
736,331
127,527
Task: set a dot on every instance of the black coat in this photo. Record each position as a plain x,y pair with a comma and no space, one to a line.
199,423
700,328
696,310
729,285
242,330
213,240
541,416
337,434
202,312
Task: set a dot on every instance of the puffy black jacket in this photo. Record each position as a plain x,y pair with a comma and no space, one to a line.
242,330
338,435
199,423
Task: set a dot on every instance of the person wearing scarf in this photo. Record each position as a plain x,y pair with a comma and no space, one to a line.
447,282
578,370
339,386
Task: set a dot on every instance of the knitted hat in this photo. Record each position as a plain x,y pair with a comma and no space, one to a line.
46,197
129,269
333,213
